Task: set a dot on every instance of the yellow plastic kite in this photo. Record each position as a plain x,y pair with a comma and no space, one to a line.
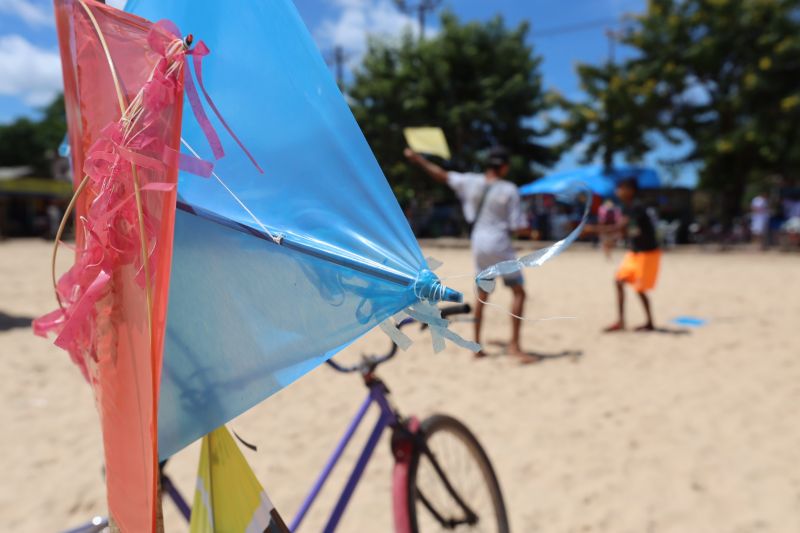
229,498
427,141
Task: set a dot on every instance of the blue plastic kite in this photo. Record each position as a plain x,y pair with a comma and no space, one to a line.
274,273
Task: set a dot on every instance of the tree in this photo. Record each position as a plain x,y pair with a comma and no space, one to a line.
725,73
615,118
34,143
479,82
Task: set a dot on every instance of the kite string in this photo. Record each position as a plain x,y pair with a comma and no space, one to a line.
428,287
456,276
476,293
277,239
512,315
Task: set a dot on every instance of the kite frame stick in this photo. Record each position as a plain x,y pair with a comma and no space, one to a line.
383,273
60,233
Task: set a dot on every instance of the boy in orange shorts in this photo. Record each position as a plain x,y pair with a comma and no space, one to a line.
639,267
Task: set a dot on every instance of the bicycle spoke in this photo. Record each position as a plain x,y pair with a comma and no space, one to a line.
443,512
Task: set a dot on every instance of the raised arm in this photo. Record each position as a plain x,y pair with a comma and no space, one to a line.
618,228
432,169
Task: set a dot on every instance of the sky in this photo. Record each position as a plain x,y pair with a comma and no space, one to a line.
30,72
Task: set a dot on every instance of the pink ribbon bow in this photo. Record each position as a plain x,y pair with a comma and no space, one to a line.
159,44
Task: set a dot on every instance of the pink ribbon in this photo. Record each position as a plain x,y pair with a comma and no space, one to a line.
140,160
202,118
162,34
198,53
77,316
112,234
187,163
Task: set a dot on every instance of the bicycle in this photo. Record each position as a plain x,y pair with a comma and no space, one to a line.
443,480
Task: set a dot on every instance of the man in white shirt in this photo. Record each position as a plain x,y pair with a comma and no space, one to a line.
492,207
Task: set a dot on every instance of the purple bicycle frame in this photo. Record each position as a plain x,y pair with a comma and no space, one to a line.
387,418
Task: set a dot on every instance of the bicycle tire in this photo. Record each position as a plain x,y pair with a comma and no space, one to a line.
438,426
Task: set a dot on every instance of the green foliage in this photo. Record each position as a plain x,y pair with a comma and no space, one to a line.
728,76
723,73
614,118
27,142
479,82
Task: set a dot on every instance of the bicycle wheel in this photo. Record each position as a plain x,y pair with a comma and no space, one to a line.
452,485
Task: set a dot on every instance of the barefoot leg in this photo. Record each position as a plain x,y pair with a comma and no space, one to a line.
517,309
619,325
647,326
483,296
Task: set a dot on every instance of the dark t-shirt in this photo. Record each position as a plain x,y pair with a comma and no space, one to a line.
641,232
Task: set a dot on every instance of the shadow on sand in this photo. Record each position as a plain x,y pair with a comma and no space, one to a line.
557,355
669,331
537,357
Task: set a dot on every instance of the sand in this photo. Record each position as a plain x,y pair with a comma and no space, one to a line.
627,433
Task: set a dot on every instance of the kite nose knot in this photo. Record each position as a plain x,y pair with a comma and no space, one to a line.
428,287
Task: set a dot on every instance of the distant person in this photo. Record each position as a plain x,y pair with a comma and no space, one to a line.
777,217
639,267
791,206
562,221
53,219
791,228
492,207
608,215
759,219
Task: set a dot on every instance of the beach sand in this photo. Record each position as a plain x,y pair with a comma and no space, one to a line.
673,432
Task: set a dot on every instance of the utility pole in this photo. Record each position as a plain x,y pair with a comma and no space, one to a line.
422,8
608,153
338,58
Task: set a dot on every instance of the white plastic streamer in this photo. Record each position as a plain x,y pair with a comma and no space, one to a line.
398,337
427,312
433,263
487,278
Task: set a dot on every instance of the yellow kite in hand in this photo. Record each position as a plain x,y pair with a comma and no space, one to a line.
428,141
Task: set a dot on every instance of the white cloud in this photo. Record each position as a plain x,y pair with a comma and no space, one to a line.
39,13
359,18
28,72
34,14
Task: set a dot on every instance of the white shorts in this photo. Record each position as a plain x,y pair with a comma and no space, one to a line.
485,259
